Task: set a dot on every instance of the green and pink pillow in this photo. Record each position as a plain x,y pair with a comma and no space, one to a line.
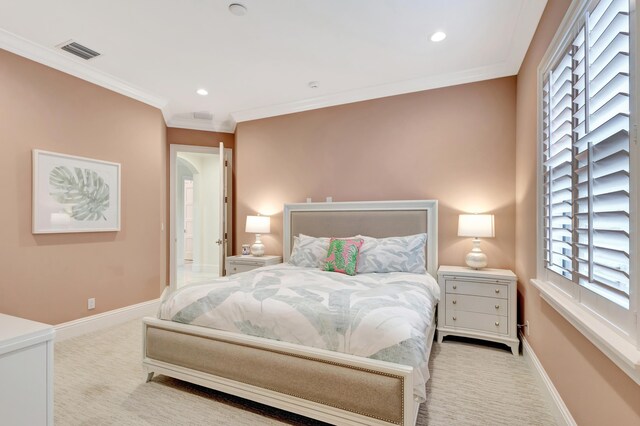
343,255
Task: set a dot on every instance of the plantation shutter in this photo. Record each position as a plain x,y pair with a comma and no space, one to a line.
602,153
587,236
557,145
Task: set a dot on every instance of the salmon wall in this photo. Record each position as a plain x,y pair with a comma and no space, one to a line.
49,277
454,144
594,389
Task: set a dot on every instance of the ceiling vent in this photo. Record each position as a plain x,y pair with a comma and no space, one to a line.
79,50
203,115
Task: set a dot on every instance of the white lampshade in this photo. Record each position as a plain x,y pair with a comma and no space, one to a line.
258,225
476,225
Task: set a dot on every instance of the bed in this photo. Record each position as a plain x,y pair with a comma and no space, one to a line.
303,377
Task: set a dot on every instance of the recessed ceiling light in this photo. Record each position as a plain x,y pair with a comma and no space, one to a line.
238,9
438,36
202,92
314,84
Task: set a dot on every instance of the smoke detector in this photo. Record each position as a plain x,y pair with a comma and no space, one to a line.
238,9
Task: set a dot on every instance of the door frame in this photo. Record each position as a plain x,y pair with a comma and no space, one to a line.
226,246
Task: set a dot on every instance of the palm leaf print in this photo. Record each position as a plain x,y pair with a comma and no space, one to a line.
337,247
352,256
83,188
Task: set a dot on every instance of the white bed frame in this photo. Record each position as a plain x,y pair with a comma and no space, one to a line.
289,401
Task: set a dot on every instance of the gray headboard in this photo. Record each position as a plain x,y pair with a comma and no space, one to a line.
373,218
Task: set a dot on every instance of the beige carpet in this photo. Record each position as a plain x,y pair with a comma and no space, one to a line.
99,381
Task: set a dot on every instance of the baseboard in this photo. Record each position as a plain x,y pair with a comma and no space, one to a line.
562,413
74,328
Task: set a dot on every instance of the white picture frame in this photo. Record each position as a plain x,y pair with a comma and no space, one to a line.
74,194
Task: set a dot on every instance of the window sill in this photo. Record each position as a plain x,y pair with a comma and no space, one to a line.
622,352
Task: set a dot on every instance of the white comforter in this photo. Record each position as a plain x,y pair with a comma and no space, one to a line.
379,316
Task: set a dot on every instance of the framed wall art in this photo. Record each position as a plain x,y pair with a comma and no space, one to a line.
74,194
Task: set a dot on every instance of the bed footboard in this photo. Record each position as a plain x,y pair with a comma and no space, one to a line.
324,385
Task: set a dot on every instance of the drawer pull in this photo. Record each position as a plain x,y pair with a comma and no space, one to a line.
497,290
455,286
497,323
497,306
454,302
454,318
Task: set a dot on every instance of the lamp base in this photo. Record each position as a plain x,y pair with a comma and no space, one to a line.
476,259
257,249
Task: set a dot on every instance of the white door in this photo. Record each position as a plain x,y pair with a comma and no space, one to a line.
199,225
222,209
188,219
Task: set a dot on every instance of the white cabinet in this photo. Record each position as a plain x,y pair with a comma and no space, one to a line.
478,303
237,264
26,372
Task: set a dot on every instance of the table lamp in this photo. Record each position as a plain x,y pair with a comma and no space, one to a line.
476,226
258,225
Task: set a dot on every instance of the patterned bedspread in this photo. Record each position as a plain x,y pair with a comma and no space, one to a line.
379,316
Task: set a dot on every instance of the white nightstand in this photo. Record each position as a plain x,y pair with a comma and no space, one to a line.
478,303
237,264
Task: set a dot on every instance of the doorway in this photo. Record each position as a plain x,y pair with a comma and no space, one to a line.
200,200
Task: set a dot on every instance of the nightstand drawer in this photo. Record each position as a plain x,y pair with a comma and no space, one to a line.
237,264
488,289
236,268
247,262
479,304
477,321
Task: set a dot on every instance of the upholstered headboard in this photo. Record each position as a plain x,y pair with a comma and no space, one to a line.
372,218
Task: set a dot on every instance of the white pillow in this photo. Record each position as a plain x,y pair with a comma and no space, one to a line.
393,254
309,252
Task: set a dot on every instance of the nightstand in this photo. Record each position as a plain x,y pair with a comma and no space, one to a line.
237,264
478,303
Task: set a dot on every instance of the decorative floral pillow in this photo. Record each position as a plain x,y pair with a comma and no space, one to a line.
393,254
342,255
308,252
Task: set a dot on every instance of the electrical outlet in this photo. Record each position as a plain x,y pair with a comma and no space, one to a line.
91,303
527,330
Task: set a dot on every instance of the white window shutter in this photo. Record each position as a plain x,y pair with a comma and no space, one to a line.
557,145
587,179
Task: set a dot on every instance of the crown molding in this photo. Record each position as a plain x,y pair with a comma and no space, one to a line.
384,90
195,124
61,62
70,65
524,29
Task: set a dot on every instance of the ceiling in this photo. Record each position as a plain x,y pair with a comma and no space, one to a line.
260,64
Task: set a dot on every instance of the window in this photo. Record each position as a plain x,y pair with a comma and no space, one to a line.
586,175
